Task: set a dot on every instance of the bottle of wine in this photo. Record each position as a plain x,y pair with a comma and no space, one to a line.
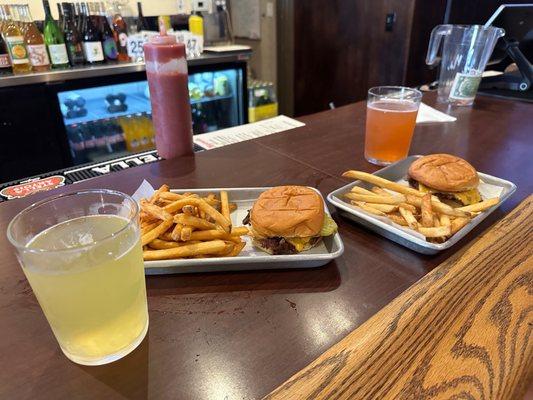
35,44
5,62
91,38
142,23
14,38
53,38
108,38
120,30
60,14
72,36
78,15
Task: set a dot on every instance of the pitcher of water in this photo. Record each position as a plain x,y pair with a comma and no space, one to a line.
465,53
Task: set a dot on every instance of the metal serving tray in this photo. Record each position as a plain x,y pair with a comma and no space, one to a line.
395,172
250,257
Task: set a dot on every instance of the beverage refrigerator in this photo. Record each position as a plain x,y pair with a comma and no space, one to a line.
114,120
80,116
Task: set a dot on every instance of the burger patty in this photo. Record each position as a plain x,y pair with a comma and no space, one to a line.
445,197
278,245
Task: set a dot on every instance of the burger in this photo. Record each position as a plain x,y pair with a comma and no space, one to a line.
453,180
289,220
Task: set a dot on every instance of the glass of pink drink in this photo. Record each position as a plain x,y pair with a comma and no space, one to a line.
166,69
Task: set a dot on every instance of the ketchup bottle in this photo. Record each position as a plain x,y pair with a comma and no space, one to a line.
166,69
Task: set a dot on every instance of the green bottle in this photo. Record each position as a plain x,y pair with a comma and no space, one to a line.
53,37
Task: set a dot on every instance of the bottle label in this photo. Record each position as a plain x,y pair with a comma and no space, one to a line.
93,51
4,61
58,53
110,48
464,86
17,49
123,41
38,55
76,52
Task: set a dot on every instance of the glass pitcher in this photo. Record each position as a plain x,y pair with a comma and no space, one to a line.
465,53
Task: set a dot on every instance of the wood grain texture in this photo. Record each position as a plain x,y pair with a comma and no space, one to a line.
461,332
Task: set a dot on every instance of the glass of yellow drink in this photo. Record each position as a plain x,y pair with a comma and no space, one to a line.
81,253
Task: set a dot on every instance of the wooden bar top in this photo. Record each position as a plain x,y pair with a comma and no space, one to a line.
461,332
241,335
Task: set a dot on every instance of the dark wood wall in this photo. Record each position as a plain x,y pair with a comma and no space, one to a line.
341,49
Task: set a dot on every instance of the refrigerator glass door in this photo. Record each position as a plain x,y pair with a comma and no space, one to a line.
115,120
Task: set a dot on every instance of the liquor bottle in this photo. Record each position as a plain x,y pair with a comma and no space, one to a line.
142,23
54,39
72,36
108,37
78,15
92,40
34,41
14,39
5,62
120,31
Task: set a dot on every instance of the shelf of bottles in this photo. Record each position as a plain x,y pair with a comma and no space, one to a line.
114,120
86,33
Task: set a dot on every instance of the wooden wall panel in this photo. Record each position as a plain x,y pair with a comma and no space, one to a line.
341,49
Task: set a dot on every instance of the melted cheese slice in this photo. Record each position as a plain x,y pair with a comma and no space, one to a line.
299,243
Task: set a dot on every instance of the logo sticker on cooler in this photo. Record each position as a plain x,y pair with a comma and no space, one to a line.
32,186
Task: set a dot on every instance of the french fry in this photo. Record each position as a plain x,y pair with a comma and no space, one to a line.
149,227
186,232
158,244
457,224
409,218
360,190
176,232
227,250
409,207
444,220
195,222
189,250
380,191
374,198
155,211
224,204
371,210
427,213
435,232
222,221
232,207
166,236
189,210
155,232
237,248
155,196
171,196
481,206
386,208
397,219
437,206
436,221
384,183
218,234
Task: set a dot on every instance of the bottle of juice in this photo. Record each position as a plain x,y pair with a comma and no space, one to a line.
166,69
15,43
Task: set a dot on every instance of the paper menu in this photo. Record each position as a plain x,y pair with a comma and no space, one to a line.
241,133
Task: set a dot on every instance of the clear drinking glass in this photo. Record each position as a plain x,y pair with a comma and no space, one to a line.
390,121
81,253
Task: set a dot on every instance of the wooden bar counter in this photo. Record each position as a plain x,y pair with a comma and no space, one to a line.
242,335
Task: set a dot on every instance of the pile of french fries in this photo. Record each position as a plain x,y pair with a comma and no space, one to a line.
188,226
411,208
